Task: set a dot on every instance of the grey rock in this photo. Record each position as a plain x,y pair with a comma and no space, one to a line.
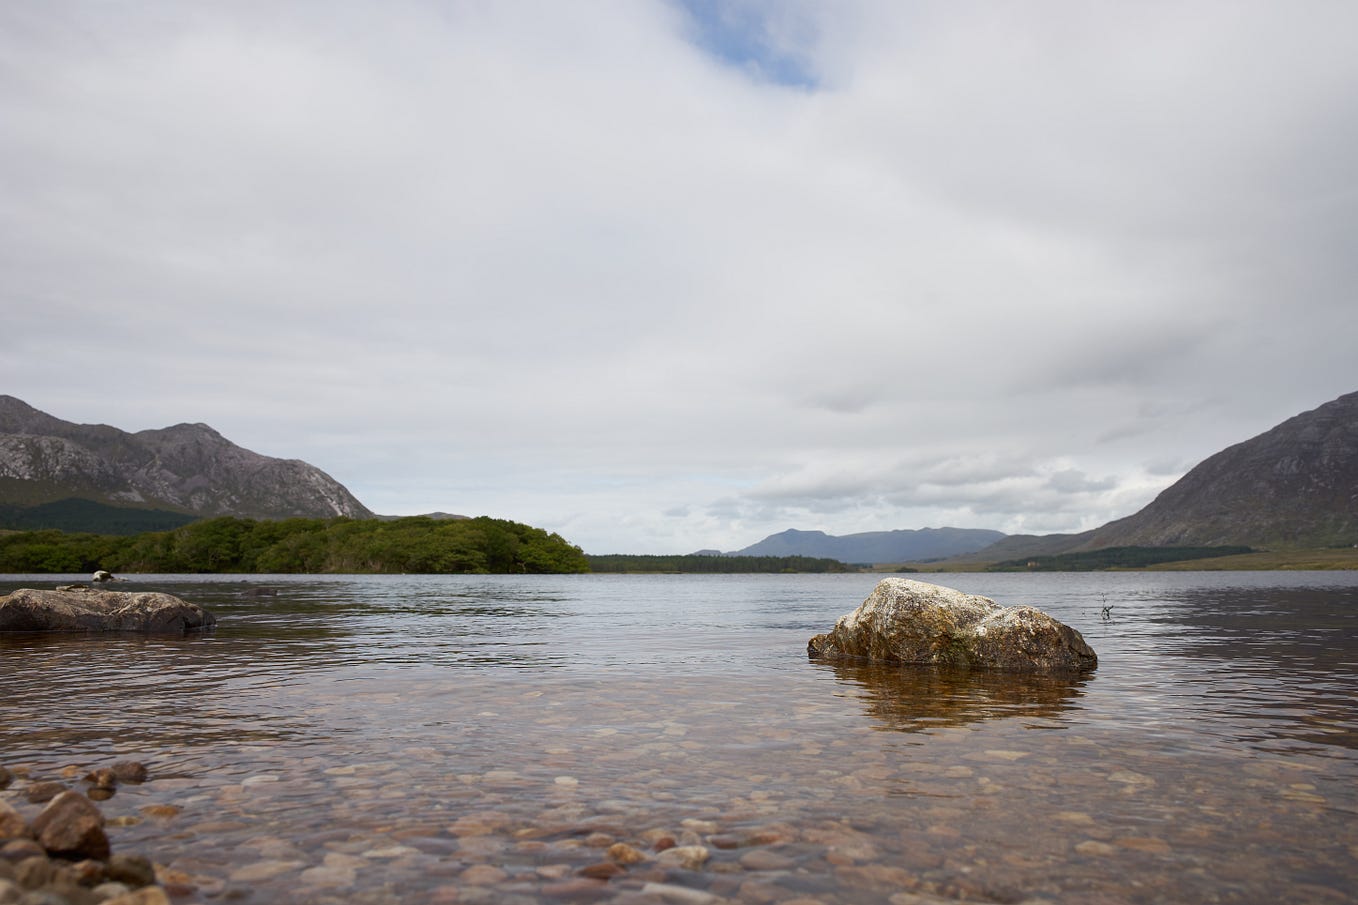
88,610
911,622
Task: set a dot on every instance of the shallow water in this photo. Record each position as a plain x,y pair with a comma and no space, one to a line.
467,739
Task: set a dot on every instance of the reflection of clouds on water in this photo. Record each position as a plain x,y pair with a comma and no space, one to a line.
916,699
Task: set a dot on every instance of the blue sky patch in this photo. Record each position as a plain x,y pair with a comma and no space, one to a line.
756,37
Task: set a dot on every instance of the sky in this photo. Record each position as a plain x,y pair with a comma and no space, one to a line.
664,276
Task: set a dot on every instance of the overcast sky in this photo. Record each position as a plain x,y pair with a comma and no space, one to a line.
666,275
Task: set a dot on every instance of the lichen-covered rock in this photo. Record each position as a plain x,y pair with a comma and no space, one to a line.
906,621
81,609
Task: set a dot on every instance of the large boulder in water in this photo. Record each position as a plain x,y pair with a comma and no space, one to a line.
81,609
907,622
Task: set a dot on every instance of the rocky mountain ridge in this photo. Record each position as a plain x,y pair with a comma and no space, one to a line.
1293,485
186,468
904,545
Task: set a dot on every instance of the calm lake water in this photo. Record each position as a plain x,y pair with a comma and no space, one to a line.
418,739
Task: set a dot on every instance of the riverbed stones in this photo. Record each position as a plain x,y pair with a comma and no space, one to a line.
81,609
913,623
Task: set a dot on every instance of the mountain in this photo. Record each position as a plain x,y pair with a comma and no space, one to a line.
53,473
875,546
1294,485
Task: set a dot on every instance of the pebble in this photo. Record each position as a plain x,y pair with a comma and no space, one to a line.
482,875
689,857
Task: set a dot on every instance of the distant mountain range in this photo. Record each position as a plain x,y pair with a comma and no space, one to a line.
875,546
93,477
1293,486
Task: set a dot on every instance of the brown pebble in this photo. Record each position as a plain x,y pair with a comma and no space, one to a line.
89,872
664,843
576,888
130,771
99,793
134,870
44,791
104,778
6,778
625,854
161,810
724,841
604,870
19,849
36,872
766,859
483,875
150,895
12,823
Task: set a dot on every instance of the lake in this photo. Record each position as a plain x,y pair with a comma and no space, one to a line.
430,739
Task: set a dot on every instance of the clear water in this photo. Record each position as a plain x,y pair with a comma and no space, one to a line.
464,739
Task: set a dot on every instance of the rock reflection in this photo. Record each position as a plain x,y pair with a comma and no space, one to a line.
918,699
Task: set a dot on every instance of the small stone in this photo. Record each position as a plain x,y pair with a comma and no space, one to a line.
6,778
699,826
483,875
599,840
19,849
89,872
109,890
663,843
574,888
625,854
603,870
161,810
71,826
132,772
35,872
766,859
264,870
40,792
151,895
1095,847
134,870
103,778
689,857
100,793
678,895
12,823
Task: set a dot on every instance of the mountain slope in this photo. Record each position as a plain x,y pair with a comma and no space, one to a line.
875,546
1296,484
187,468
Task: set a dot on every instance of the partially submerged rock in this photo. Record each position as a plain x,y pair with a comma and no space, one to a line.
80,609
911,622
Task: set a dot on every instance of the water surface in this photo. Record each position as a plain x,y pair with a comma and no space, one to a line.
462,739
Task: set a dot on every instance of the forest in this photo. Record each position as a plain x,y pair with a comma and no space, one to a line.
340,545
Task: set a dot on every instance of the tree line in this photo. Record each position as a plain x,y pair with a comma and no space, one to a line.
697,563
299,545
1113,558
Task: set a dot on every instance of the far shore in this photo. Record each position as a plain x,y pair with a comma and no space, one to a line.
1327,559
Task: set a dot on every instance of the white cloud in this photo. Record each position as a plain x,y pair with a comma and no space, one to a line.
997,268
